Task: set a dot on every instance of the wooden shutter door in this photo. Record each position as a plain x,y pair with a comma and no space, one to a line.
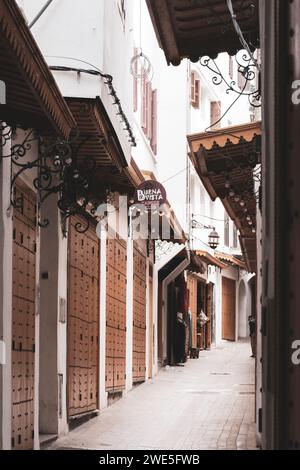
150,333
83,319
23,318
139,316
192,287
228,309
116,269
209,305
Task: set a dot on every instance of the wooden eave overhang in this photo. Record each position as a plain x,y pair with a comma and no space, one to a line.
209,259
97,139
33,99
230,153
196,263
191,29
230,259
248,246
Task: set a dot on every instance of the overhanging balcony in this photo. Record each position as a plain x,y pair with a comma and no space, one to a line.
194,28
226,162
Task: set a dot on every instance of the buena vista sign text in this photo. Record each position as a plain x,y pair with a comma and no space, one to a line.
150,193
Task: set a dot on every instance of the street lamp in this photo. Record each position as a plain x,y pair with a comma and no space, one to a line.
213,237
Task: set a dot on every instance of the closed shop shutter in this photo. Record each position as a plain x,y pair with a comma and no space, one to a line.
116,269
83,319
228,309
23,318
139,316
192,287
151,329
209,307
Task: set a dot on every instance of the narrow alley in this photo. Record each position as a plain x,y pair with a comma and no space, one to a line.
207,404
149,227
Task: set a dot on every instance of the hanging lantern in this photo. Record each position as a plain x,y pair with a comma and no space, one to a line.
140,66
213,239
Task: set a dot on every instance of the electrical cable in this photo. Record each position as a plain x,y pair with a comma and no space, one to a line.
240,33
228,109
207,217
108,82
37,17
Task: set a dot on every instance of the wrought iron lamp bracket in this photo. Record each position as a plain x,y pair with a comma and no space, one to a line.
57,171
247,69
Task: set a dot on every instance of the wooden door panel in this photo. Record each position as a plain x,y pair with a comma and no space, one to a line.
139,316
116,270
83,319
192,287
228,309
23,318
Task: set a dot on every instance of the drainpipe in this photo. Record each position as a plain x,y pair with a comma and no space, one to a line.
37,17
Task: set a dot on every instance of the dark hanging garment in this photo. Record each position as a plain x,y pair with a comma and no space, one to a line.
180,336
186,318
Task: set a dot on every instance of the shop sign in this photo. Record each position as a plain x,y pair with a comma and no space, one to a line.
150,193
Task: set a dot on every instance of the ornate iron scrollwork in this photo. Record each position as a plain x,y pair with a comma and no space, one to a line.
5,134
58,171
247,68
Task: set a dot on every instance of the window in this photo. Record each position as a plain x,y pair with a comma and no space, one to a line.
153,141
230,67
195,90
149,112
226,229
135,82
242,82
215,114
235,237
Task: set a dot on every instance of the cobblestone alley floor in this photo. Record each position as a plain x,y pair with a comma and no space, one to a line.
208,404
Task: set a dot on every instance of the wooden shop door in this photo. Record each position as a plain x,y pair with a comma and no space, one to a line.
116,269
150,333
83,318
139,316
23,318
228,309
192,287
209,310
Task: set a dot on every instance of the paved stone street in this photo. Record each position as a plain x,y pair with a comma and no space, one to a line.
207,404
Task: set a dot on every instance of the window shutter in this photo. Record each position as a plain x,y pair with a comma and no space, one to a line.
193,79
215,114
230,67
241,80
153,141
197,94
195,90
235,237
226,230
149,111
135,83
144,104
